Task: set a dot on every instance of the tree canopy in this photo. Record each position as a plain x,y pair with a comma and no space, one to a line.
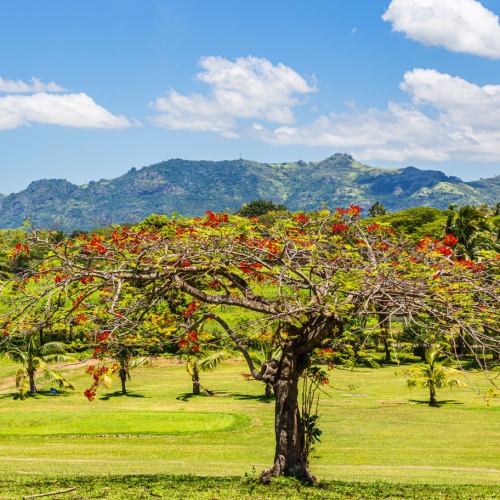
301,278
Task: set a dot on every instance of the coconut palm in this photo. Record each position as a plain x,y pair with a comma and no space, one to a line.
33,357
203,362
434,374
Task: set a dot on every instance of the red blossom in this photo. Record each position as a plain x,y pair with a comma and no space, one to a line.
301,219
214,220
339,227
450,240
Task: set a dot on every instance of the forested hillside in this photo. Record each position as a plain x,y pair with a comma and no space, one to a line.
192,187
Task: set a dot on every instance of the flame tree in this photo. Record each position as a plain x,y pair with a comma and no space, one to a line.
301,276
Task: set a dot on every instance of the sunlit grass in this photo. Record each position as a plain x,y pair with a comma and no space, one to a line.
374,428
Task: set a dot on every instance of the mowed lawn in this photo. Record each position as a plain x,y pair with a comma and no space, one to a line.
374,428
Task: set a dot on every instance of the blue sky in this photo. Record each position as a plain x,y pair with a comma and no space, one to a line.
90,89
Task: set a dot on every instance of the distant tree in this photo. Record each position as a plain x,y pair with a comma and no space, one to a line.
377,209
257,208
435,374
202,362
34,358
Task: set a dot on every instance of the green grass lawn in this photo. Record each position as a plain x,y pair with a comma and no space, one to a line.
374,430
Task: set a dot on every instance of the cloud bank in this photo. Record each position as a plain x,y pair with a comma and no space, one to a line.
445,118
249,87
464,26
47,105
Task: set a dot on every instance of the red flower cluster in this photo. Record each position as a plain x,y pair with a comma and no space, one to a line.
20,249
444,250
271,246
79,319
473,266
60,277
249,268
450,240
102,337
189,340
78,302
185,263
94,245
97,374
339,227
352,211
86,279
214,220
378,228
190,309
301,219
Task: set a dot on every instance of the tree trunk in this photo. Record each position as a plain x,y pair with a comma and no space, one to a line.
31,376
432,399
288,458
123,377
269,390
387,350
196,385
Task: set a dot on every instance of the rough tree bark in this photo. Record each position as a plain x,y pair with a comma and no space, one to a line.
289,428
31,376
123,378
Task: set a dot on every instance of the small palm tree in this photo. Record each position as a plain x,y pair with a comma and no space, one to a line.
34,358
127,361
203,363
434,374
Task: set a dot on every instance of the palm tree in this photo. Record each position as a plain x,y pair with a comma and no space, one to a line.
33,358
203,363
434,374
127,361
472,229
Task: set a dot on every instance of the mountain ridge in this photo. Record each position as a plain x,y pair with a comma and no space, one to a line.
192,187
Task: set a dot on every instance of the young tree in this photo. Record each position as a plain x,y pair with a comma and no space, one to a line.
33,358
435,374
303,277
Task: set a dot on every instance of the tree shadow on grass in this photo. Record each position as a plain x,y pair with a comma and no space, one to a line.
189,395
251,397
118,394
36,395
439,403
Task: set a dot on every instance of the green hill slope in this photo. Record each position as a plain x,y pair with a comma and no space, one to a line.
192,187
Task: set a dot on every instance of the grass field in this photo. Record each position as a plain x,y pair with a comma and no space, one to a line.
374,430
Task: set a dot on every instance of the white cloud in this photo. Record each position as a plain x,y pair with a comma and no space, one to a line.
70,110
446,118
457,25
35,85
249,87
45,106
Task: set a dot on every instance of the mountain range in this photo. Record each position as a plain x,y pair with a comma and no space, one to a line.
192,187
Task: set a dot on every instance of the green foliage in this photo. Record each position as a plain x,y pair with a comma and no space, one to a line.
256,208
192,187
377,209
417,222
